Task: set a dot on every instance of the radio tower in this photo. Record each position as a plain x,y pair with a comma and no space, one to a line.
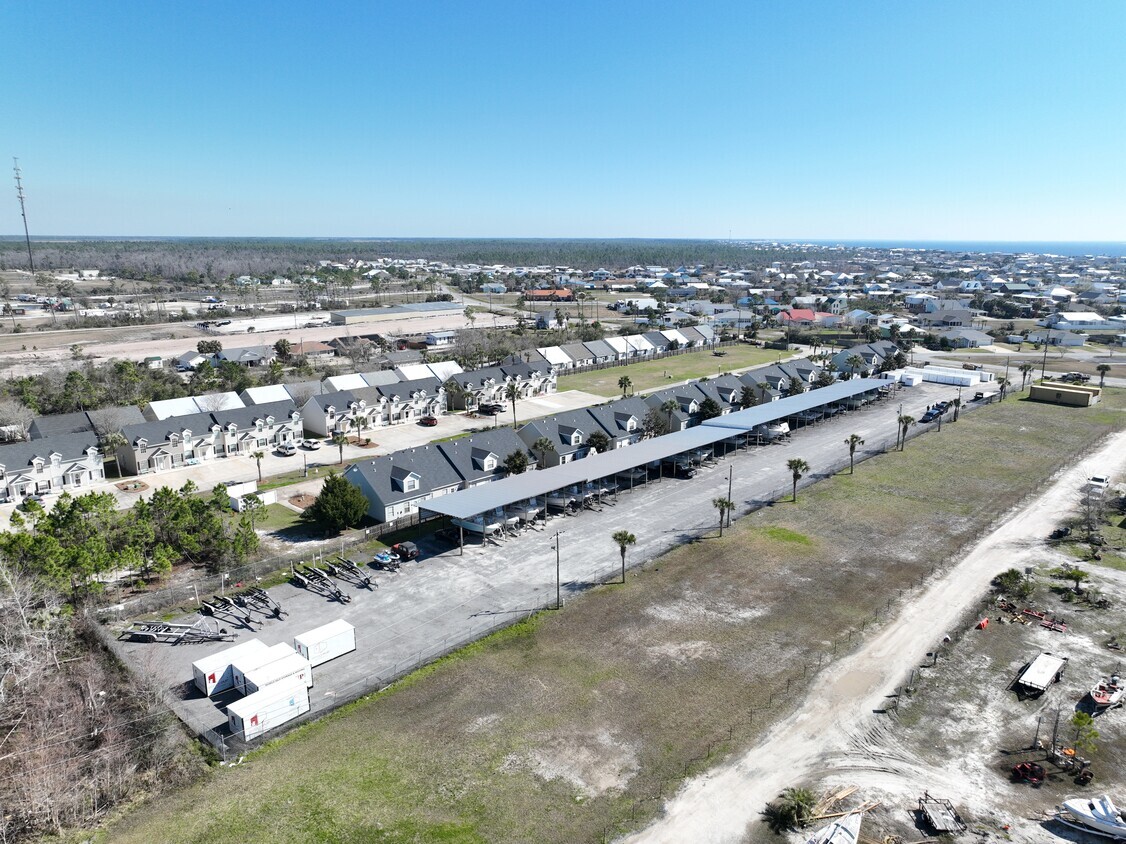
23,212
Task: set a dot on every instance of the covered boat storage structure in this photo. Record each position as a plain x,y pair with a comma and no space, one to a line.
586,476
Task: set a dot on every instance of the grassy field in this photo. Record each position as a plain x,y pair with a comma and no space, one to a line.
654,373
574,725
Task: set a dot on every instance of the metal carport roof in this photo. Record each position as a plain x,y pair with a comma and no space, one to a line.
783,408
481,499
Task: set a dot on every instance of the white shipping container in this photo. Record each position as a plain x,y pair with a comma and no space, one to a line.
213,673
250,717
248,662
292,666
328,642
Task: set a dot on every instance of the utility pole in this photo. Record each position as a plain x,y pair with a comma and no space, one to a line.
730,469
23,213
558,593
1044,364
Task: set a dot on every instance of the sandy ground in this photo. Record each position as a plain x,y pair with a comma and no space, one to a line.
836,726
173,339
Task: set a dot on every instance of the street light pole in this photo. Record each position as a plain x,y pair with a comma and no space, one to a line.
558,591
730,470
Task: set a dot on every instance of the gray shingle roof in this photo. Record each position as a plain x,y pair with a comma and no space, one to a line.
71,446
159,432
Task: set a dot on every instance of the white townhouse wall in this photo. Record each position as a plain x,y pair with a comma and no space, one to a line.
70,462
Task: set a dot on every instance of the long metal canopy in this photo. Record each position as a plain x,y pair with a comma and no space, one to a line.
468,503
764,414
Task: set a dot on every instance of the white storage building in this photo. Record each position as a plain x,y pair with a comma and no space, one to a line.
275,705
246,662
289,668
214,674
327,642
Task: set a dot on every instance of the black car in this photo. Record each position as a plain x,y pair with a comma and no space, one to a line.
931,415
405,550
490,409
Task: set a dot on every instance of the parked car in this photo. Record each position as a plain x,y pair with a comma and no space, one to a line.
33,498
405,550
448,534
312,445
428,421
489,409
931,415
287,449
978,396
1098,482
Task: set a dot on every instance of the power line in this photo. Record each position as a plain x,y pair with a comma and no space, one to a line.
23,212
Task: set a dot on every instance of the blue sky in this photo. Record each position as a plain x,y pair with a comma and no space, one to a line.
915,121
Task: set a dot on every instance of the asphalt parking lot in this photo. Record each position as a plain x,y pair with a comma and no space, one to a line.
446,599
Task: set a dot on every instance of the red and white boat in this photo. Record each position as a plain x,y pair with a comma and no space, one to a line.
1108,693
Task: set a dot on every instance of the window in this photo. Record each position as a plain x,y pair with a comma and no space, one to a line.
410,484
490,463
577,438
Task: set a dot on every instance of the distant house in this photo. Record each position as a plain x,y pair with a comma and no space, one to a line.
312,350
561,294
965,338
251,356
244,430
69,462
441,338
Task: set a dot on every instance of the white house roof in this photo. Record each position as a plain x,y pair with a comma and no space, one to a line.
351,381
445,370
618,344
1081,316
414,371
638,342
555,356
672,334
264,395
167,408
213,402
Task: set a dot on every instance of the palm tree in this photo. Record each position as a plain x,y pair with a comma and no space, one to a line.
723,505
852,442
798,468
339,440
905,422
624,384
1102,369
543,446
855,363
624,539
258,455
1025,370
512,393
956,403
670,406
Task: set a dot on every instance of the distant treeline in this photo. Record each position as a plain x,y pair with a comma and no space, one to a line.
212,259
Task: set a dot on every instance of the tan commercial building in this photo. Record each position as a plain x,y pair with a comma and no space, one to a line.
1072,395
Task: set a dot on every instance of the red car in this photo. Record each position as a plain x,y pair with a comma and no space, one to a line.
428,421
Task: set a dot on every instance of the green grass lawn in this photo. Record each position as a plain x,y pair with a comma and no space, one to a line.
279,518
574,725
655,373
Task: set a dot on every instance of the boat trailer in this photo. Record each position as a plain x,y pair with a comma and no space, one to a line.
175,634
311,577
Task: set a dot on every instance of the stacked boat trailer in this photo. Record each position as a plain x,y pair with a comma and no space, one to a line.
348,571
312,578
175,634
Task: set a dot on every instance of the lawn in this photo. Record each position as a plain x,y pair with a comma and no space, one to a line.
655,373
278,518
574,725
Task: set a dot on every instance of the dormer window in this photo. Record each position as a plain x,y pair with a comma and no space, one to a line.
490,463
577,438
410,483
631,424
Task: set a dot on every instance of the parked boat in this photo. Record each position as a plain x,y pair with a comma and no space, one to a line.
844,830
1099,815
1108,693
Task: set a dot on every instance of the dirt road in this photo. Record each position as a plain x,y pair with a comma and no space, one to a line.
719,806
